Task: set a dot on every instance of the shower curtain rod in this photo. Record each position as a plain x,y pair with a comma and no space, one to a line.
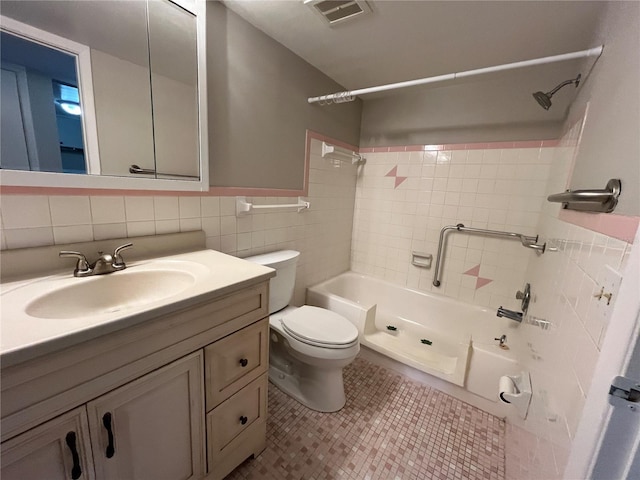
350,95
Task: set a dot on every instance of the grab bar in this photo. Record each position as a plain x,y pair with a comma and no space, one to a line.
527,241
135,169
242,206
600,201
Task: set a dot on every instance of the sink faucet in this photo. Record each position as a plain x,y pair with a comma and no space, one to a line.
503,312
104,264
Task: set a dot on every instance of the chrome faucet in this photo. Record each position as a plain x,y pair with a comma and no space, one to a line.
503,312
104,264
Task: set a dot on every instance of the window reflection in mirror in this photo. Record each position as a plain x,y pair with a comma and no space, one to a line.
41,127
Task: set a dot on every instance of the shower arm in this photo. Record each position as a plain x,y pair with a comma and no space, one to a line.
566,82
525,240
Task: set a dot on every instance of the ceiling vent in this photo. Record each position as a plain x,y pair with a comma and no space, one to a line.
338,11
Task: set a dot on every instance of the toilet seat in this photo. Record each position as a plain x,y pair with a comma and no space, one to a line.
320,328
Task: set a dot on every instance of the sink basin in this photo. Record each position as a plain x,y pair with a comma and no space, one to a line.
40,315
110,293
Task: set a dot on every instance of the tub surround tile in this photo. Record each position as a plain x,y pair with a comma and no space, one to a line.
485,187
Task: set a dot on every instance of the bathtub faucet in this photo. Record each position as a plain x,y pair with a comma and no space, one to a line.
503,312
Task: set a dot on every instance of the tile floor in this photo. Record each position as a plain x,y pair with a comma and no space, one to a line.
391,428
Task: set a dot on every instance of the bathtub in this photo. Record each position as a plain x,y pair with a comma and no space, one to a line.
440,336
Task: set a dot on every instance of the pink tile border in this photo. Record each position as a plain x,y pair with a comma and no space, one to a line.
621,227
463,146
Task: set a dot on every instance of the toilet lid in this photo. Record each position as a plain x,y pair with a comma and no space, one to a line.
317,326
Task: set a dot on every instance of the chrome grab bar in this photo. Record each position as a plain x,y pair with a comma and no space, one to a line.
135,169
525,240
603,201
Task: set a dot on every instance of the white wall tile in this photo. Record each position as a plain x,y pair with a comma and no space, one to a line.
167,226
72,233
70,210
25,211
166,208
189,207
105,231
29,237
139,209
107,210
210,206
190,224
139,229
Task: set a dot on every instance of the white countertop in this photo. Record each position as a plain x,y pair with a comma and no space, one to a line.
23,336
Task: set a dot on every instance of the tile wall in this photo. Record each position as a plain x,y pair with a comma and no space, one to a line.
322,234
561,355
403,199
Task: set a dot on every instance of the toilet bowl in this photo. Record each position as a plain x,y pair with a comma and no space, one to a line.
309,346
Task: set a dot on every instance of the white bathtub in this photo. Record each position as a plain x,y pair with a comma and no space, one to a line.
441,336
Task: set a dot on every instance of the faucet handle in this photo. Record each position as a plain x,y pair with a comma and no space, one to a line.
525,296
117,259
81,266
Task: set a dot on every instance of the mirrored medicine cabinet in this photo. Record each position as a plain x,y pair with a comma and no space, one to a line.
104,94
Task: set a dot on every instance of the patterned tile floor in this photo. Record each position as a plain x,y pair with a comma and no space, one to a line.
391,428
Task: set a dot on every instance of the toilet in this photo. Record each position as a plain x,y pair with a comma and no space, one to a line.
308,346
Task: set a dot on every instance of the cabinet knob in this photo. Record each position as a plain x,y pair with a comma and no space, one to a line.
76,471
243,420
244,362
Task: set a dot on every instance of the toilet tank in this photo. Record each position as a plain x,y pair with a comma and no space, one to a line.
280,286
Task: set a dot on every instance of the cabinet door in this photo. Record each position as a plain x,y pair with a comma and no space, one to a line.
152,428
58,449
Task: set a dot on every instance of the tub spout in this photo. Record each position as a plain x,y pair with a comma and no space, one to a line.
503,312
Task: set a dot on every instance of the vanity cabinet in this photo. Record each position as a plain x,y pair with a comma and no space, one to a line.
182,396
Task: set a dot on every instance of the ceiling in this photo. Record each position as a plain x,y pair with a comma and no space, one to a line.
405,40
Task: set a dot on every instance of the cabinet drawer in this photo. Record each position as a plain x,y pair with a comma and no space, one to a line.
236,429
235,361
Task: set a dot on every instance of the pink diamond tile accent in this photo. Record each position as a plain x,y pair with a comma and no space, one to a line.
394,173
475,271
391,427
481,282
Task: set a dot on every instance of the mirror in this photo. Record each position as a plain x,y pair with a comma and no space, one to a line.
104,94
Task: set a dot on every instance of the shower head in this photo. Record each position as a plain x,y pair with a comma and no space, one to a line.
544,99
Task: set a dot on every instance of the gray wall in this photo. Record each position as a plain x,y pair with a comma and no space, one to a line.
487,108
610,146
258,110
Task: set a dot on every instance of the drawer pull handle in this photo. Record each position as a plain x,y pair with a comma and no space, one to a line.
76,471
243,420
244,362
106,421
